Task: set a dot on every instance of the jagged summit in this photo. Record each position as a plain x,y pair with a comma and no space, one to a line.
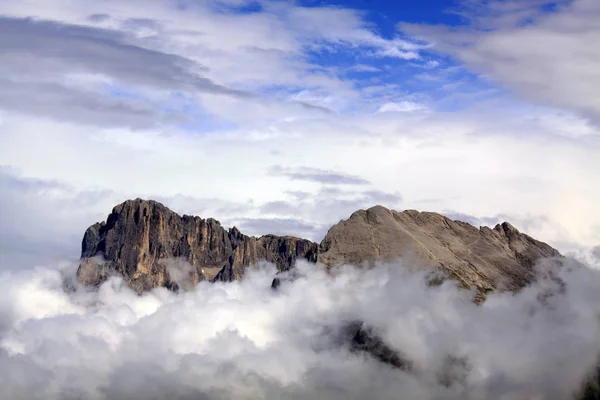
483,258
140,236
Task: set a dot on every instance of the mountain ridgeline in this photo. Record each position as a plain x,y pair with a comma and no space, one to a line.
141,239
144,242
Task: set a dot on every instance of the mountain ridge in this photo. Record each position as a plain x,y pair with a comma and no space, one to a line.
139,235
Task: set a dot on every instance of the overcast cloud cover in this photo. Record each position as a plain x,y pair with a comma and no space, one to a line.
285,117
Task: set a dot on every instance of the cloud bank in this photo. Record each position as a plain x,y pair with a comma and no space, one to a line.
244,340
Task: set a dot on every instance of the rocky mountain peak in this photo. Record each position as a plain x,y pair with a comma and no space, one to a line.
482,258
139,238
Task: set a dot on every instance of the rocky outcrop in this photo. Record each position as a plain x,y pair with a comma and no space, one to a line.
591,388
283,251
140,237
485,258
367,341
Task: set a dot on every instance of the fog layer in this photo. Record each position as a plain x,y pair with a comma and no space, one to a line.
244,340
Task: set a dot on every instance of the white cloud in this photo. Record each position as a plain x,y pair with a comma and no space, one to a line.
257,50
364,68
432,64
550,57
404,106
395,52
482,163
243,340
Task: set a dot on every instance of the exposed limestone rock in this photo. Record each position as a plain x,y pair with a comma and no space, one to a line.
282,251
139,235
481,258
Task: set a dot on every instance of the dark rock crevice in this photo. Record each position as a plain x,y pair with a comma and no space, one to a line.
367,341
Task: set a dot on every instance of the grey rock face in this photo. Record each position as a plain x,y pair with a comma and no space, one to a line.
139,235
591,388
486,259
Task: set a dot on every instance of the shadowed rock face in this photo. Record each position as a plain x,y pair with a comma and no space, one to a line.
591,390
139,235
366,340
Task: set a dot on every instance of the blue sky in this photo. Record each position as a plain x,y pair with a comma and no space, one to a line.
423,79
386,14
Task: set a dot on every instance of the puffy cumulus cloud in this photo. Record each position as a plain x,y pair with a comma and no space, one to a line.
596,253
543,50
245,340
586,255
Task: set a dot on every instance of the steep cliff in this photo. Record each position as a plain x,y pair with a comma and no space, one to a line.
140,238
